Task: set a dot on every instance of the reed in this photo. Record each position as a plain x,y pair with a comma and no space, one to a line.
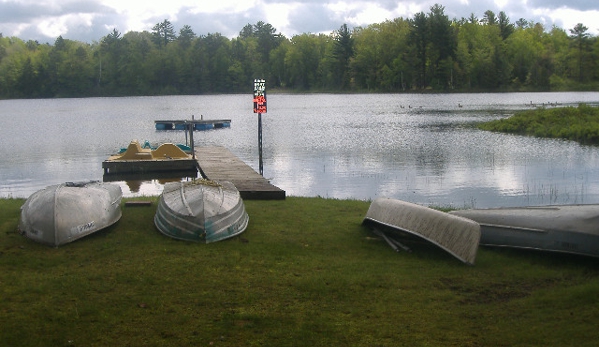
304,273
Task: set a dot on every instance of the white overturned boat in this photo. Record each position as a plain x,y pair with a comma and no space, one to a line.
201,211
456,235
63,213
560,228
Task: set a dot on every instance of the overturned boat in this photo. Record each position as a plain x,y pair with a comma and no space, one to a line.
456,235
201,210
559,228
65,212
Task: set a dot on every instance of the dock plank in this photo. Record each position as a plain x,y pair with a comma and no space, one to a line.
219,164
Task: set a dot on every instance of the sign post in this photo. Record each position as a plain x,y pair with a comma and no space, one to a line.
259,108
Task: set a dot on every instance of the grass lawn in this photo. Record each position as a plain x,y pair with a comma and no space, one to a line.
304,273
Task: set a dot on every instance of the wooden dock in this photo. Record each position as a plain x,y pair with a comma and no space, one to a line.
219,164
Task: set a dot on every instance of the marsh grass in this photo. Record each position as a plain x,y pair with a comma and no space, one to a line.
579,124
304,273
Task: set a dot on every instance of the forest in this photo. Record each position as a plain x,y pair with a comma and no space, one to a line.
429,52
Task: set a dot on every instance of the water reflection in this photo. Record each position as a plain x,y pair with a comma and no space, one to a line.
146,184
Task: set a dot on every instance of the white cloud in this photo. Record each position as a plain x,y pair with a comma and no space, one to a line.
278,16
569,18
363,13
56,26
371,13
90,20
501,3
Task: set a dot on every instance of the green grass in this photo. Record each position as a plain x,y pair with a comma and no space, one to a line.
579,124
304,273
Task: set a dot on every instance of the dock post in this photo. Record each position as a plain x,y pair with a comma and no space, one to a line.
191,143
260,144
259,108
189,127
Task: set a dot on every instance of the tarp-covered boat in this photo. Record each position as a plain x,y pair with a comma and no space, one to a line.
63,213
458,236
201,210
560,228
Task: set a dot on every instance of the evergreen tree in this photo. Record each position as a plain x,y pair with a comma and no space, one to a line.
505,27
186,37
111,57
489,18
580,37
163,33
27,84
443,45
343,51
419,37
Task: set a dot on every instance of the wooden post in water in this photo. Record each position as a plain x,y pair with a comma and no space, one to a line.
189,127
260,166
259,108
191,143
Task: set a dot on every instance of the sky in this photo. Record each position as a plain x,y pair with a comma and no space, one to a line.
91,20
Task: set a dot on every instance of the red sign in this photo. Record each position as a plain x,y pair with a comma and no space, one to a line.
259,96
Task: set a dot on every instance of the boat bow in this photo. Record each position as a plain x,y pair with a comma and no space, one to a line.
456,235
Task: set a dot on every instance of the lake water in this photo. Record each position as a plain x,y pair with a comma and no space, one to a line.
422,148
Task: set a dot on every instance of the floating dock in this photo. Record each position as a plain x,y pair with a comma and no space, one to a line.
219,164
197,124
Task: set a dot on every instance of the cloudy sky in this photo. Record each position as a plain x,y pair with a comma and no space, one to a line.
90,20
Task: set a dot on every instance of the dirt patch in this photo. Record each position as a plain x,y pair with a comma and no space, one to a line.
495,292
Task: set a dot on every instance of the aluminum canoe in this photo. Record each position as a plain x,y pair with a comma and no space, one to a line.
65,212
456,235
202,211
559,228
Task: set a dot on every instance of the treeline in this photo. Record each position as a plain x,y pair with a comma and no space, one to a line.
426,52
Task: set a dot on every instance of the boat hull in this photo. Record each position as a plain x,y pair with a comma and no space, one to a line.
560,228
63,213
458,236
201,211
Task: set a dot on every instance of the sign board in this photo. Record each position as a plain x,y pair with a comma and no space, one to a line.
259,96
